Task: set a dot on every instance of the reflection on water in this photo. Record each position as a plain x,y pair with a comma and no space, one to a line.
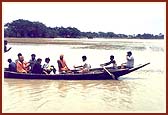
141,91
39,94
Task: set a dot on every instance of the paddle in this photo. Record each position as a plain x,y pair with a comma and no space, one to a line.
112,75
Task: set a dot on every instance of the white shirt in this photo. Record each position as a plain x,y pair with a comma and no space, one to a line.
46,66
86,65
130,61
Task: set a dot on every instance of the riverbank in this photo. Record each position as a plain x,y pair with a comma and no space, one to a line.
70,41
66,41
44,41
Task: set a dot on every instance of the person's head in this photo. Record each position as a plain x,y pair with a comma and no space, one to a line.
5,42
84,58
33,56
39,60
61,57
21,58
111,57
47,60
19,54
9,60
129,53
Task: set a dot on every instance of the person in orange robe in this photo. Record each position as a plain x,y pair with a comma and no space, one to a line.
22,66
62,66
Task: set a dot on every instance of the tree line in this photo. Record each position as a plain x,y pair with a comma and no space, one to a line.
27,29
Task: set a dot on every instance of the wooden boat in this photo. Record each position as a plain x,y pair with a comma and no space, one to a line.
94,74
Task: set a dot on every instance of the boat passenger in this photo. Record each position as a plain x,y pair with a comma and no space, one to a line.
112,61
47,67
32,61
12,66
5,46
84,67
19,54
37,68
22,66
130,61
62,66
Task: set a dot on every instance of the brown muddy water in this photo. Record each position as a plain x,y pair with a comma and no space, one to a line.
141,91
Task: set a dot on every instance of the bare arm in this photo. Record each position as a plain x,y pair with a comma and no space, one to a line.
77,66
6,50
105,64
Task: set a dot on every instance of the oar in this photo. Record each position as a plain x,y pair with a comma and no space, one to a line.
112,75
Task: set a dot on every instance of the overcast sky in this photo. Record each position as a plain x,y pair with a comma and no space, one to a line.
118,17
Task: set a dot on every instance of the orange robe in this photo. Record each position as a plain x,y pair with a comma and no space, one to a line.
22,67
62,65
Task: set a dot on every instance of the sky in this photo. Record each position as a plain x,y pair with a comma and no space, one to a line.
118,17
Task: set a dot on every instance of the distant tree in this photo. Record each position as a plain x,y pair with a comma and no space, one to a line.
24,28
102,34
110,34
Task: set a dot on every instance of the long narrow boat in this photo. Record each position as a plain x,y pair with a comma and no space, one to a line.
94,74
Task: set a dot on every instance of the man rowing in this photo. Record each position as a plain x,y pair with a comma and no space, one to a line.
112,61
85,66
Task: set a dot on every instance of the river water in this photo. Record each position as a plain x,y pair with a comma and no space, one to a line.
141,91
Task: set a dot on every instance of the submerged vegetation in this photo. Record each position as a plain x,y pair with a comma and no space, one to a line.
27,29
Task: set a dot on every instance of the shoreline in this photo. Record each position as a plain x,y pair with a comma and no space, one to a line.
70,41
44,41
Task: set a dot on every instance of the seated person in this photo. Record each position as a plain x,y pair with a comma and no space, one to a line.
32,61
85,66
47,67
112,61
12,66
62,66
37,67
22,66
19,54
130,61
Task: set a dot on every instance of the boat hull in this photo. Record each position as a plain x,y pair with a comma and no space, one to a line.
94,74
100,76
